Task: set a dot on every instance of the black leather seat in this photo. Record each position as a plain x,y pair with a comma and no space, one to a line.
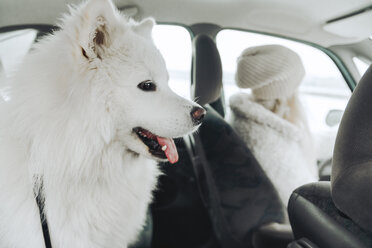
338,214
235,190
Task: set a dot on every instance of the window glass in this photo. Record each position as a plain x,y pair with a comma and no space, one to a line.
174,42
13,47
322,91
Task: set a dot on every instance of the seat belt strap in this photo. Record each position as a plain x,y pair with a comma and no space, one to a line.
208,190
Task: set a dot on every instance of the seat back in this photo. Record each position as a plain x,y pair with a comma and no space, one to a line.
235,190
352,160
338,214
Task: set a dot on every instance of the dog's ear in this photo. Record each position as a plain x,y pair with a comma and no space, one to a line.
144,28
95,32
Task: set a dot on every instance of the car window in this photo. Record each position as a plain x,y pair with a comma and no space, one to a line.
323,92
14,46
174,42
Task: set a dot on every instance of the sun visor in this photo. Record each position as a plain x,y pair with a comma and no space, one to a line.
356,25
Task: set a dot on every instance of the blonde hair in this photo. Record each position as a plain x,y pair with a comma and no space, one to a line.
289,108
292,110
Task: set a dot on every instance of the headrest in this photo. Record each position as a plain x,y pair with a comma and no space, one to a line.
206,70
352,159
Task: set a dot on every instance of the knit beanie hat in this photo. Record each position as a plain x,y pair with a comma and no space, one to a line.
271,71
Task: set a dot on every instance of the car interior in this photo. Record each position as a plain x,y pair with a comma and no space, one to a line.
217,194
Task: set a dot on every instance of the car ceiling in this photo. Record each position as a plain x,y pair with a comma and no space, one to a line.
304,20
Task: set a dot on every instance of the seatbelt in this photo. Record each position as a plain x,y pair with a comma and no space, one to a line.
207,189
40,203
196,162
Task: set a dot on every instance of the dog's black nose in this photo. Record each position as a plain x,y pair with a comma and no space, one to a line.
197,115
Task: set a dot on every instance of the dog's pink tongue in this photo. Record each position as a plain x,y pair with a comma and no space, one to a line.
171,150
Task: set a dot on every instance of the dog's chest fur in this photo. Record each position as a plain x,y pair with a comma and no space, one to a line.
107,214
107,211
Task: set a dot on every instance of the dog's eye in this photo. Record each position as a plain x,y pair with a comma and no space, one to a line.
147,85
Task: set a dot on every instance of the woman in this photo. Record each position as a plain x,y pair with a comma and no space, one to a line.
270,119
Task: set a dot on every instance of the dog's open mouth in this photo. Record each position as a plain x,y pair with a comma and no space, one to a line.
160,147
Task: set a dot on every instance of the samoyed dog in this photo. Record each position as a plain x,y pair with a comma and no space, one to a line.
89,114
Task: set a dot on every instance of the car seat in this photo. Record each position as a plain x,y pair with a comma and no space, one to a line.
236,192
338,214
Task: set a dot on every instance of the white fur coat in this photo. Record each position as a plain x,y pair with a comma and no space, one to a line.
279,146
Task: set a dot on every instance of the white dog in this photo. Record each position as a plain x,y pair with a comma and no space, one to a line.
89,111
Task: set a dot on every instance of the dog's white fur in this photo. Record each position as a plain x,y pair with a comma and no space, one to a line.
73,105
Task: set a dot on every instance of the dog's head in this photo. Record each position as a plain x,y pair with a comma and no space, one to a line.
128,81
